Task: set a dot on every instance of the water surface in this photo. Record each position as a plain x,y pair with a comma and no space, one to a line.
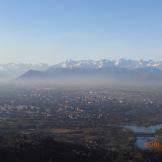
147,133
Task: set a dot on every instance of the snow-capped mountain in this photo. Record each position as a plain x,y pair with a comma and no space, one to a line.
88,67
105,63
91,64
126,69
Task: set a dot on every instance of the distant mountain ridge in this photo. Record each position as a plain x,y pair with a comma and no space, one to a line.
12,70
105,63
127,69
22,66
122,63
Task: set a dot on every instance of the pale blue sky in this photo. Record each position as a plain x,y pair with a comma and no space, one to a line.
51,31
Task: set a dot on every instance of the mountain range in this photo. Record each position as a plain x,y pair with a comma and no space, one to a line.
12,70
104,69
106,63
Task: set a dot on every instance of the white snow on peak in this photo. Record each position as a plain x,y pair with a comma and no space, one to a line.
104,63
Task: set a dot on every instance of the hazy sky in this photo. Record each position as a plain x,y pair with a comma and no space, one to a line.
51,31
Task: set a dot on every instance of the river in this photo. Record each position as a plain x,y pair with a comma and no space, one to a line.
143,133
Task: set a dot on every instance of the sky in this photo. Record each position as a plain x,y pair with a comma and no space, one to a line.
50,31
